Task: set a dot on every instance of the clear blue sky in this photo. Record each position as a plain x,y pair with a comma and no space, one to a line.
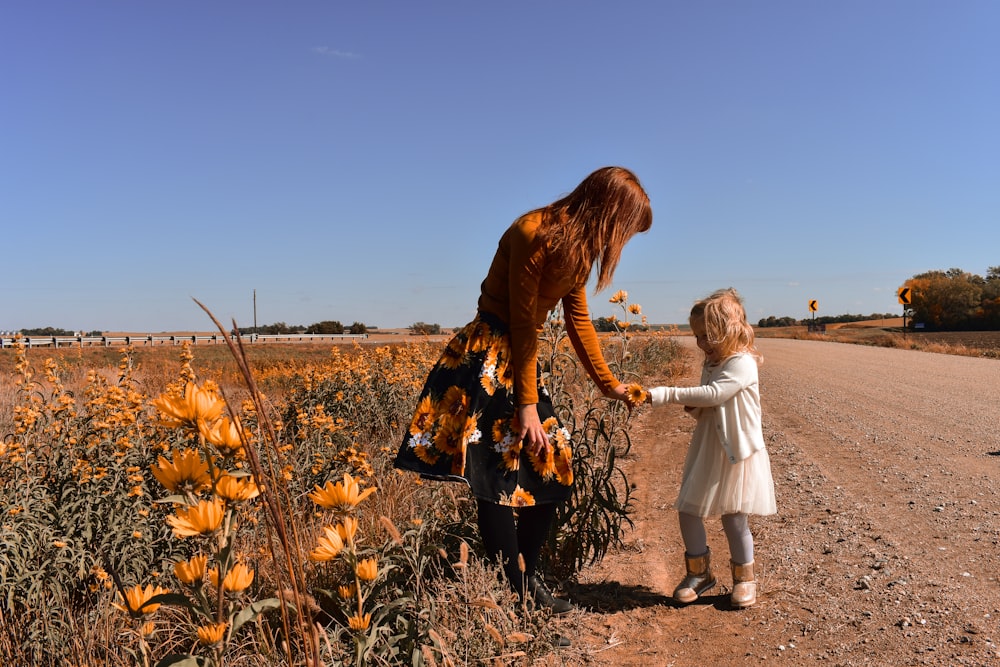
358,161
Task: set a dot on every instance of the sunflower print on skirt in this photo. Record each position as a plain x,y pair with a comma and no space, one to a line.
465,425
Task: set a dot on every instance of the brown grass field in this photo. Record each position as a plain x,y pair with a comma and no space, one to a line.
890,333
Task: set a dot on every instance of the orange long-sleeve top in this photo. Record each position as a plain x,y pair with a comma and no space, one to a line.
521,288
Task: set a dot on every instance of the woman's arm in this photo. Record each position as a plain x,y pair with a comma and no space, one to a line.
582,335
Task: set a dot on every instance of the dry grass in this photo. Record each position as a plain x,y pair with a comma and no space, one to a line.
371,387
889,333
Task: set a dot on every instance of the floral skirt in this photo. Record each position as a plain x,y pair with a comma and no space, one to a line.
465,427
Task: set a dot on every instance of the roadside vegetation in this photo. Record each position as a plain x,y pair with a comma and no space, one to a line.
174,506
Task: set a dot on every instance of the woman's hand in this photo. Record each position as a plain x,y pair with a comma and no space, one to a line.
630,395
619,393
533,436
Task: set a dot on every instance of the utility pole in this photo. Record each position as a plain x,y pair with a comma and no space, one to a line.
255,310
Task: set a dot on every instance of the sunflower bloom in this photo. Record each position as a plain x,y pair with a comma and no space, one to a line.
367,569
202,519
327,546
237,579
619,296
359,622
635,309
342,496
211,634
191,571
636,394
236,489
194,407
225,434
186,472
137,599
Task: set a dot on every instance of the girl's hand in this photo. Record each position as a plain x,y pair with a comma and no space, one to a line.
533,436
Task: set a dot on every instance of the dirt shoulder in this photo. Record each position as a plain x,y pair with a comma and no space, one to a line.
884,550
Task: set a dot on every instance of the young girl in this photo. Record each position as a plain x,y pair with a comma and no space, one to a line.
727,471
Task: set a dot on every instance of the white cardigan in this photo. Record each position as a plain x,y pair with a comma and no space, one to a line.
729,395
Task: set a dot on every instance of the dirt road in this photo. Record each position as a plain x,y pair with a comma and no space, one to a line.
886,547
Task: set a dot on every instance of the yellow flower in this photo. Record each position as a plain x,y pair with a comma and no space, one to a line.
635,309
347,592
236,489
619,296
343,495
191,571
237,579
187,472
196,406
137,598
147,629
367,569
202,519
224,433
359,622
327,546
211,634
347,529
636,394
58,544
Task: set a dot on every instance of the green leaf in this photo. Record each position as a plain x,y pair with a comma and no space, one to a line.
253,611
172,600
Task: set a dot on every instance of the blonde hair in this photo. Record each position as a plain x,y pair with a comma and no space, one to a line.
725,322
594,222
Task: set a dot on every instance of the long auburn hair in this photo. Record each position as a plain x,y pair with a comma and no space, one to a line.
594,222
726,324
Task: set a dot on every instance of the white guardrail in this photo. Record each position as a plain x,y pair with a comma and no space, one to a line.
214,339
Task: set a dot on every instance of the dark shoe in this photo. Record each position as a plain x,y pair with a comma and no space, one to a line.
545,599
697,580
562,642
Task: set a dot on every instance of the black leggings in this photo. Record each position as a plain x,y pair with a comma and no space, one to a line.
506,535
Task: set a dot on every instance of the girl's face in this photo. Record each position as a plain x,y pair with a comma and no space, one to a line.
698,329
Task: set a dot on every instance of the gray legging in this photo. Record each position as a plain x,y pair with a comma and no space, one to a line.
737,530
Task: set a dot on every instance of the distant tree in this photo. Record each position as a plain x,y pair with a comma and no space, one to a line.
772,321
276,329
424,329
46,331
950,300
605,324
325,327
990,307
358,328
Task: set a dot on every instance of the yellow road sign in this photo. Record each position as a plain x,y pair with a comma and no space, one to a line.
904,295
813,305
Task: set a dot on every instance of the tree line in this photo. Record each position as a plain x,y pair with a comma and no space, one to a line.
956,300
952,300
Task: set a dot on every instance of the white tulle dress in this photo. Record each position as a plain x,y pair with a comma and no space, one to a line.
727,469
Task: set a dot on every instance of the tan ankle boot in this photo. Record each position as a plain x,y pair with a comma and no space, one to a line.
698,580
744,586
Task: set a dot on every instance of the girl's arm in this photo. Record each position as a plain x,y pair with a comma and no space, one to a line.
737,373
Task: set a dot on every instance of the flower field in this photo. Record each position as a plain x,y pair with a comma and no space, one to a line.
173,508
